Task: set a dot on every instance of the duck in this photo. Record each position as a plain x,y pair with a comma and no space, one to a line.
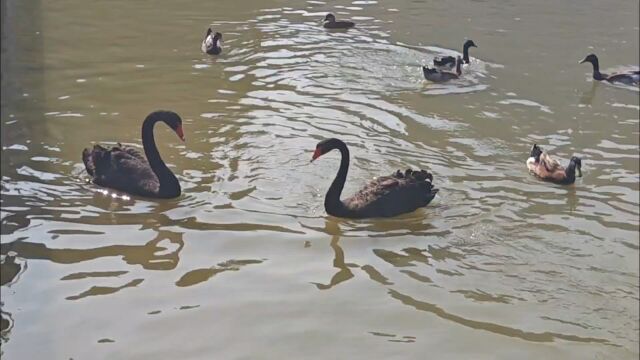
212,43
629,78
385,196
126,169
450,61
548,169
330,22
440,76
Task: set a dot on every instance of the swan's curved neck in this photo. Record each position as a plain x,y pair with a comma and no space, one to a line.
332,199
169,185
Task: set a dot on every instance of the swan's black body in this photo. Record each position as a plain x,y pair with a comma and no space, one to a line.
630,78
127,170
450,61
331,23
386,196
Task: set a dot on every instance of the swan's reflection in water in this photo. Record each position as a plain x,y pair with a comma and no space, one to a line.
343,274
160,253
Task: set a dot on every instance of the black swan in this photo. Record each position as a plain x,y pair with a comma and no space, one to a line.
630,78
548,169
385,196
212,44
331,23
440,76
125,169
450,61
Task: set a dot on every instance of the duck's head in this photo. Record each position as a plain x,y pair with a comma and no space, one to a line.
577,162
329,18
592,58
470,43
217,36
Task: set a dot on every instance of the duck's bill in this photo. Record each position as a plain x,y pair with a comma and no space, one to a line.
582,61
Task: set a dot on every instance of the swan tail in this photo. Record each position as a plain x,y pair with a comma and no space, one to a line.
87,158
422,177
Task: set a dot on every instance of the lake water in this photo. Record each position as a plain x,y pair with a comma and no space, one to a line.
246,264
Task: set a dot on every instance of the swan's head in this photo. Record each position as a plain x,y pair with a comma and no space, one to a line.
325,146
578,164
470,43
173,120
592,58
329,18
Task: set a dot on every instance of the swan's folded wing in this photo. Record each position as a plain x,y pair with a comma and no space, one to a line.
399,188
134,153
374,190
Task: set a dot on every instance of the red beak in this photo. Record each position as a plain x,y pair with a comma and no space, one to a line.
316,154
179,132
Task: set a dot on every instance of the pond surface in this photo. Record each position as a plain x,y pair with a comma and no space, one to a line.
246,263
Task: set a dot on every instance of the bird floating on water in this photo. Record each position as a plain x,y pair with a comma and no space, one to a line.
330,22
212,43
386,196
548,169
628,78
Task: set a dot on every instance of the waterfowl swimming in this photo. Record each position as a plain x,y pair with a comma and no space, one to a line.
450,61
385,196
331,23
548,169
630,78
126,169
440,76
212,43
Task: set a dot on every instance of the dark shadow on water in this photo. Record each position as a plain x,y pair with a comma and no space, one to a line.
572,198
151,256
491,327
197,276
587,96
11,267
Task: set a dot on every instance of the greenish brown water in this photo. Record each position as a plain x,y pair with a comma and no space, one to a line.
246,264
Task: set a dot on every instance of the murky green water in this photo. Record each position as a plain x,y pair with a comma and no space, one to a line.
246,264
